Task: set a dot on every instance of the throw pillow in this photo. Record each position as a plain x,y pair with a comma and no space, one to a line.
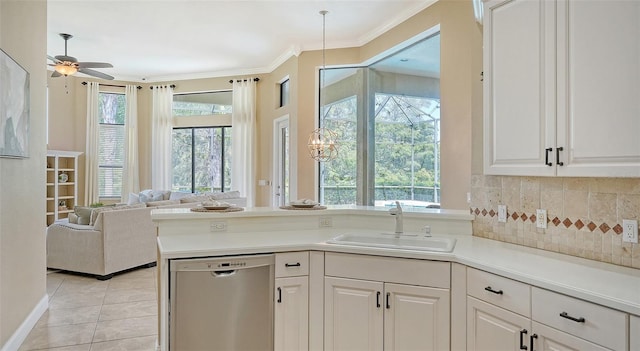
98,210
83,213
166,194
73,218
133,199
150,196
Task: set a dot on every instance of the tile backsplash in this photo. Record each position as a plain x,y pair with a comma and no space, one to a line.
584,215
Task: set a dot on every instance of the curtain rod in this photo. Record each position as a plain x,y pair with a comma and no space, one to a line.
244,80
111,85
170,86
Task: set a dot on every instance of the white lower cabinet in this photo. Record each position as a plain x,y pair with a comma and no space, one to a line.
549,339
292,314
491,328
634,333
382,315
353,314
291,310
546,321
415,318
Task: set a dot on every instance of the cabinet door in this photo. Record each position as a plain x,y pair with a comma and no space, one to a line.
416,318
353,314
519,87
291,329
634,333
490,328
550,339
598,87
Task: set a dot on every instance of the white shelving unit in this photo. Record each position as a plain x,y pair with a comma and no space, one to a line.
62,191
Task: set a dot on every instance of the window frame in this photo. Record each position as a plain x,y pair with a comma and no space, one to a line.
224,129
100,141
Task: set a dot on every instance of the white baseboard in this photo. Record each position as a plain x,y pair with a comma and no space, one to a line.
16,340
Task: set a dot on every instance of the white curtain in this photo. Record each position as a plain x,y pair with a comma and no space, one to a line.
243,139
91,194
162,123
130,175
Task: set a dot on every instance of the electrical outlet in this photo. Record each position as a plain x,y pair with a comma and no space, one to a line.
502,213
218,226
541,219
326,222
630,231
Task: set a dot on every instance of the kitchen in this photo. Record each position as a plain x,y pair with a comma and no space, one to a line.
553,158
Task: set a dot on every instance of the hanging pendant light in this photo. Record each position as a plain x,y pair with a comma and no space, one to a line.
322,141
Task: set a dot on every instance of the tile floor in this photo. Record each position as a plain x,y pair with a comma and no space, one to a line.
86,314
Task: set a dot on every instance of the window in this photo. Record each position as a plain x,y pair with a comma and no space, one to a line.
202,104
284,93
387,117
111,108
201,159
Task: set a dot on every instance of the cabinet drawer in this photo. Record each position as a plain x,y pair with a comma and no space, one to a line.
586,320
389,269
292,264
500,291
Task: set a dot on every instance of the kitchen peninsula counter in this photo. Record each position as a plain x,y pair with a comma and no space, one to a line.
186,234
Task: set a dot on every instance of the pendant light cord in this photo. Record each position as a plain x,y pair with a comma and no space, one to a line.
324,67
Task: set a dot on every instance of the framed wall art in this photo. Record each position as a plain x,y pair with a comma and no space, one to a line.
14,108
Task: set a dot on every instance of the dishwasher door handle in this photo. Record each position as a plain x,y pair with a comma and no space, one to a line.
222,274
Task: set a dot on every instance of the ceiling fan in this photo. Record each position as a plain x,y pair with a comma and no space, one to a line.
65,65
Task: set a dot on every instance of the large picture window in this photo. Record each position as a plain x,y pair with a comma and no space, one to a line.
387,118
111,107
201,159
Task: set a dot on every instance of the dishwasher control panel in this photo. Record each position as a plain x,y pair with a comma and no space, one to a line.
232,264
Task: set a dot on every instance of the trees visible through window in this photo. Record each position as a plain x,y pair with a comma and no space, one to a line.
201,159
387,117
111,108
202,104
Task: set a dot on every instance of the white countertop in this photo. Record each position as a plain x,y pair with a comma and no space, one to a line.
606,284
182,213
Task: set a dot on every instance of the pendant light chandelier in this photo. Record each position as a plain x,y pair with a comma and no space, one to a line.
322,141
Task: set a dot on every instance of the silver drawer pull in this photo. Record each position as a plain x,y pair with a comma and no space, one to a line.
497,292
567,316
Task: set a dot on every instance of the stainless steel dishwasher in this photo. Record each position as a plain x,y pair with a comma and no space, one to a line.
221,304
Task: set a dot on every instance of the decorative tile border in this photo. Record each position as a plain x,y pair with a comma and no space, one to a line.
567,223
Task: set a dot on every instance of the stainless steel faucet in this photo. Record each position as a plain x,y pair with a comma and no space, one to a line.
398,213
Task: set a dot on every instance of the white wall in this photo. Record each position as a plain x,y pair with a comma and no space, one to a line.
22,206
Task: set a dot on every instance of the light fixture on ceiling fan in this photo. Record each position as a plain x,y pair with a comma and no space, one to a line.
65,65
322,143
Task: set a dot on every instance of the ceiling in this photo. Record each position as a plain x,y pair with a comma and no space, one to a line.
152,40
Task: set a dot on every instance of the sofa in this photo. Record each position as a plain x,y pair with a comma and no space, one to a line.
116,238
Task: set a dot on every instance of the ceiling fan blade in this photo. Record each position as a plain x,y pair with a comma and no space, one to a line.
95,73
55,60
56,74
94,65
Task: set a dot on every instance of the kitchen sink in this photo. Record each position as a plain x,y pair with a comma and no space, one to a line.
404,242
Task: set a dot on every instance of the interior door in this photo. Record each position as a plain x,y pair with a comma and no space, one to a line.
281,162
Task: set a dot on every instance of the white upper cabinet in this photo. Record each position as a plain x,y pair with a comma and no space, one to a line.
562,88
518,99
599,88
